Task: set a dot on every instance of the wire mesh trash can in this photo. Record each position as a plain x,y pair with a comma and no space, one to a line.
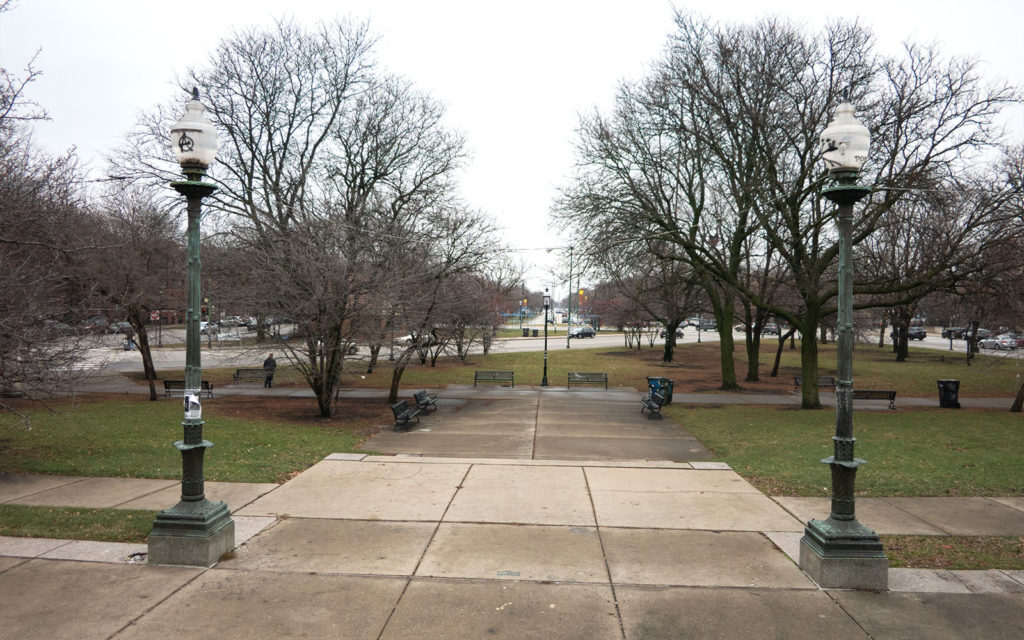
662,386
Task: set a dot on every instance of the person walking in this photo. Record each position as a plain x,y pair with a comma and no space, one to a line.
269,365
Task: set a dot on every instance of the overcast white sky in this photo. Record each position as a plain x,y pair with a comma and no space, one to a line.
514,75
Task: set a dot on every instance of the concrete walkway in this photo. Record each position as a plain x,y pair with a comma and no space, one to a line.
569,523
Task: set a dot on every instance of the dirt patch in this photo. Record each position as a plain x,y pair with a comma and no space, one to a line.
698,369
358,415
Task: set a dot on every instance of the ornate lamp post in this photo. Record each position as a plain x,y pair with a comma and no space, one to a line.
195,531
547,305
840,552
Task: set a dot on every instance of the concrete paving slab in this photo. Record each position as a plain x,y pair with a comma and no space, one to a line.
787,541
644,464
364,491
17,485
1016,574
92,551
353,457
881,516
97,492
936,616
691,510
447,609
508,552
598,426
1015,502
7,563
706,465
436,442
248,526
235,494
698,558
54,599
523,495
965,516
28,547
667,481
336,546
990,581
598,448
682,612
925,581
249,604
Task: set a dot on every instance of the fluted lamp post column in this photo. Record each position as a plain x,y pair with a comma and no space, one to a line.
195,531
840,552
547,305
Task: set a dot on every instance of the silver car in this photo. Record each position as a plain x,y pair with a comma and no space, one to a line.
1004,341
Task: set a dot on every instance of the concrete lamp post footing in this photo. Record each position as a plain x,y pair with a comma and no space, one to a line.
194,535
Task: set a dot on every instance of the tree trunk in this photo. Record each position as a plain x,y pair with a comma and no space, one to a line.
881,332
753,343
778,352
374,352
1018,401
136,317
809,363
396,379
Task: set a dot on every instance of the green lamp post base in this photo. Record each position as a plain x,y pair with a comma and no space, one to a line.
192,533
843,554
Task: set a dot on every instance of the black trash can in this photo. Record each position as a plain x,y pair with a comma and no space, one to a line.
661,385
949,394
526,333
536,332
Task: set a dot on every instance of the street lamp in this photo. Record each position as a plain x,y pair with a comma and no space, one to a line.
840,552
195,531
547,304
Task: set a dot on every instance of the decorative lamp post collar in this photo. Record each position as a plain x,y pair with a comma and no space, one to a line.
194,139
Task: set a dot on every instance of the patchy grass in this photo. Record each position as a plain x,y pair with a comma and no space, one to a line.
928,452
955,552
255,439
76,523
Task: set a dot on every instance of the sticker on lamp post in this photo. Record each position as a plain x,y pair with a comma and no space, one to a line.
193,408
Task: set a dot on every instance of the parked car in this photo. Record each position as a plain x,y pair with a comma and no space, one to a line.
1004,341
707,325
679,333
984,333
582,332
954,332
208,328
913,333
95,324
121,327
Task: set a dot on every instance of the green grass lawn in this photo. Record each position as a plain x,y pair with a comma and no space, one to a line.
76,523
931,452
131,437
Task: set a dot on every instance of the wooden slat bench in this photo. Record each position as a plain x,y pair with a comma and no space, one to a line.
424,399
653,404
824,382
494,376
404,413
587,378
248,374
875,394
171,386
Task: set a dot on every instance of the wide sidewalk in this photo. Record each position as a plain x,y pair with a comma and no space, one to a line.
511,546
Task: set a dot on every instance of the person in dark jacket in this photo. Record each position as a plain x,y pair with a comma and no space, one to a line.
269,365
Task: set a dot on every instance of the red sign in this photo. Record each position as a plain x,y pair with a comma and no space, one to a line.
154,315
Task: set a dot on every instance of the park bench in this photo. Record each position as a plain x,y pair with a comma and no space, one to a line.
248,374
653,404
824,382
875,394
424,399
494,376
404,413
179,385
587,378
